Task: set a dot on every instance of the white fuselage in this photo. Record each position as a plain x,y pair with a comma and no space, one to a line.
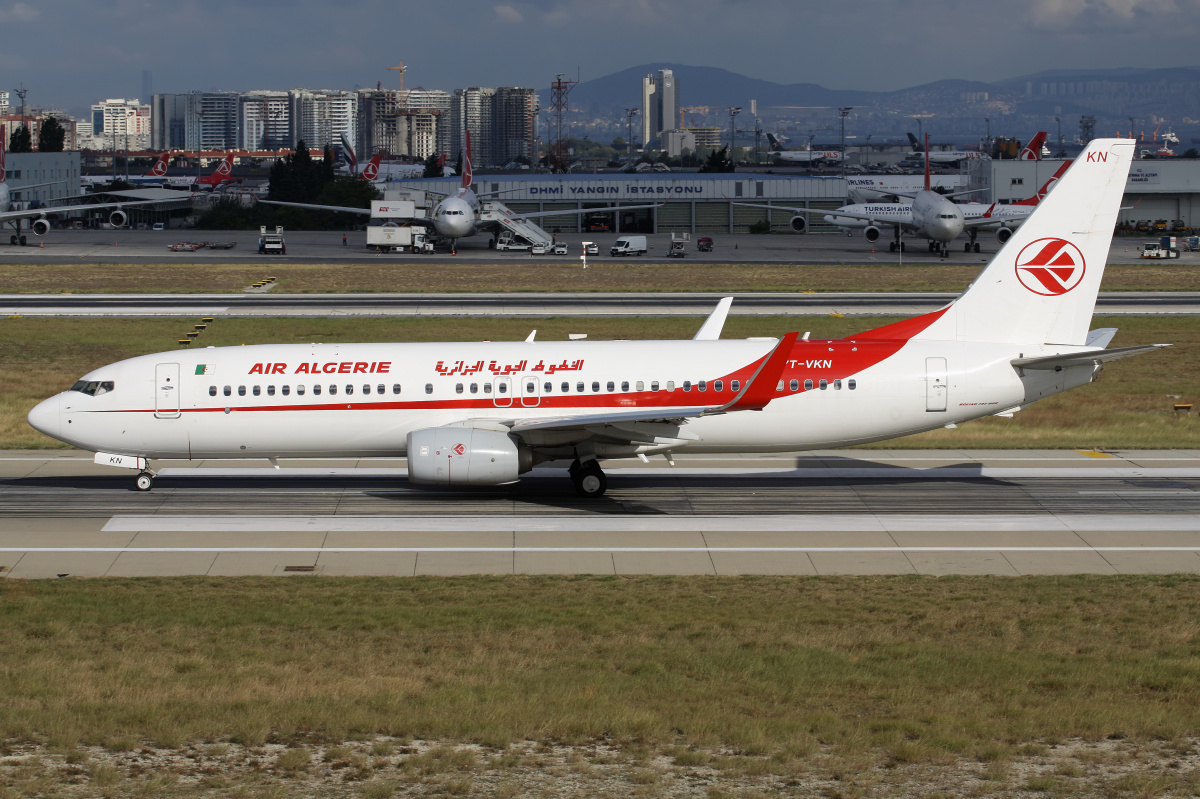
929,215
457,216
807,156
362,400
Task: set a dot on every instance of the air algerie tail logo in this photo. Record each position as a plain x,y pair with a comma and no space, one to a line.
1050,267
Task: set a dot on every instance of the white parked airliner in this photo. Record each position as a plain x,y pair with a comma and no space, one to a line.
481,413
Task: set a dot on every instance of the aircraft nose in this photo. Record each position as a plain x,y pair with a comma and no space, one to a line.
46,417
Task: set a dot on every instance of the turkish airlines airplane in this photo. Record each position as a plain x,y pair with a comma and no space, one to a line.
483,413
801,156
219,175
458,215
1030,152
870,217
930,216
39,225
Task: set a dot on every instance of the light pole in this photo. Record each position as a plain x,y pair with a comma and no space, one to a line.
843,113
733,112
1058,122
630,113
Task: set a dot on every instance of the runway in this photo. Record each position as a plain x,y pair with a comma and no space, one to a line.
538,305
845,512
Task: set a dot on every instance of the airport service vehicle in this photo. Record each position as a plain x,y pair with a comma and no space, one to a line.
629,245
559,248
507,241
271,243
591,248
391,237
461,214
482,413
704,244
679,242
1164,249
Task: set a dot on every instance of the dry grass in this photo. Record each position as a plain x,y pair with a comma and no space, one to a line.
538,276
1129,407
925,670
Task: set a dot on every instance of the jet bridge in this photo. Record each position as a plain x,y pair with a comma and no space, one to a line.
498,212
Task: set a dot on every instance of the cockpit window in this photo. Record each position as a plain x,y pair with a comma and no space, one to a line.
93,388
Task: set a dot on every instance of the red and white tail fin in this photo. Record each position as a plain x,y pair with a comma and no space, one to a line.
1041,287
467,175
927,163
1033,150
160,167
1045,189
371,170
221,173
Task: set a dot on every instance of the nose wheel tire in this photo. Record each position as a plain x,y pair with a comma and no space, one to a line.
145,481
590,480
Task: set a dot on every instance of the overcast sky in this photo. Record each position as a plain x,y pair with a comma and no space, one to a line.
71,53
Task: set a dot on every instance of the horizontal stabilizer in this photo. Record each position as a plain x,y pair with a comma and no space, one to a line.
1090,357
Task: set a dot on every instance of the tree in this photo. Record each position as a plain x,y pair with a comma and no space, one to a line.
21,141
433,166
718,161
1190,153
51,136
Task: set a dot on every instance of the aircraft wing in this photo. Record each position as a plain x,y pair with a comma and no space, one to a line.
342,208
663,425
7,216
825,211
1090,357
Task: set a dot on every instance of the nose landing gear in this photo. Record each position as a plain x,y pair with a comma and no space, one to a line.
144,481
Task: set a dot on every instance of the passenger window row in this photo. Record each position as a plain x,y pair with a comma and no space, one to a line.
286,390
582,387
794,385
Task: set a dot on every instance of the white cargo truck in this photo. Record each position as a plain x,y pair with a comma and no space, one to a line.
271,243
508,241
391,228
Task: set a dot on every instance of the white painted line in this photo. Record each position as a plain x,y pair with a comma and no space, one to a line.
772,472
655,523
468,550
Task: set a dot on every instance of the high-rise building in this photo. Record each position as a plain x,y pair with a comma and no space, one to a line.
212,120
503,124
321,117
660,104
168,119
121,123
433,109
264,121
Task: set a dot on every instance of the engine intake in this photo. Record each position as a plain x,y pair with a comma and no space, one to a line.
872,233
40,226
799,223
118,218
1003,234
465,456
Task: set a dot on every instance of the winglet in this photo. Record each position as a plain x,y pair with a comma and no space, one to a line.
711,329
760,388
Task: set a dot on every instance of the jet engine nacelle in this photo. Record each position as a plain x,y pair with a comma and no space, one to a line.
40,226
799,223
118,218
872,233
1003,234
465,456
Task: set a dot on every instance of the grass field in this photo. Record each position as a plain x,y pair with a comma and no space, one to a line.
1130,407
1043,684
538,276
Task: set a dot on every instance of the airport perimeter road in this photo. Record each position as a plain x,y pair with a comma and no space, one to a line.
536,305
848,512
147,246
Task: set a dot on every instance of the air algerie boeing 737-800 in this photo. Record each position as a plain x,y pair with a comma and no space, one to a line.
482,413
458,215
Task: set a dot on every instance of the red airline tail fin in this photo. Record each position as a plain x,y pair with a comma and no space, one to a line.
467,174
1045,189
371,170
160,167
221,173
927,163
1033,150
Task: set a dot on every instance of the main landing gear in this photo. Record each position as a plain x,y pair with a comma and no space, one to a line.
893,246
14,240
589,478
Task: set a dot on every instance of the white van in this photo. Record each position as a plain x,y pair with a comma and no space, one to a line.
629,245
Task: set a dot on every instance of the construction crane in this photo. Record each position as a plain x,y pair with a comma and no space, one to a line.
701,108
401,69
